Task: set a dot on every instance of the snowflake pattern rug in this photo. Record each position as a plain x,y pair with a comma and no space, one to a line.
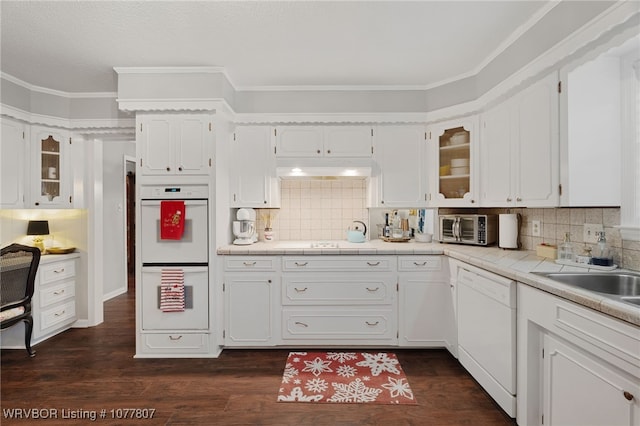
344,377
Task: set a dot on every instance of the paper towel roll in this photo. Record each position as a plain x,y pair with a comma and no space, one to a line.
508,231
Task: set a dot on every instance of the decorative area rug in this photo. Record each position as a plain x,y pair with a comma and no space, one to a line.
344,377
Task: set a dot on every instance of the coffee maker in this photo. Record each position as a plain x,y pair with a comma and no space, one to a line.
244,228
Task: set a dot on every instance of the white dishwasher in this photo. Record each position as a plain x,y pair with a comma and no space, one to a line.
487,333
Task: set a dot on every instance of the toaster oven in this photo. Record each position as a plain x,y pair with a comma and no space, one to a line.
475,229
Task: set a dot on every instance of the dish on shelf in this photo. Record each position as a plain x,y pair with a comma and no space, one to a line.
456,171
459,138
60,250
445,170
459,162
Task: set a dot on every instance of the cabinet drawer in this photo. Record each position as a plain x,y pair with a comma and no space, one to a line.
338,324
419,263
339,263
51,272
56,293
338,289
58,315
249,263
175,343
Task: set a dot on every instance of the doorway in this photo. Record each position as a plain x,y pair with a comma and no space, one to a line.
130,197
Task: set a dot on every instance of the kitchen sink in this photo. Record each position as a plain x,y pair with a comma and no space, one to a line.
624,286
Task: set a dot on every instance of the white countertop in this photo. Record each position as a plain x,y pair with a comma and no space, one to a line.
513,264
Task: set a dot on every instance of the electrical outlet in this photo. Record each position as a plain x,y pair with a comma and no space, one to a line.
536,230
590,232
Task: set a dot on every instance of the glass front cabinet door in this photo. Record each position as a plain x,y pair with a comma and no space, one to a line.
49,175
454,147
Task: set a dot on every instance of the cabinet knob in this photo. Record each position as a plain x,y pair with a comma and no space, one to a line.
37,204
175,337
518,199
180,168
509,199
381,201
628,396
473,201
168,169
318,152
372,323
328,151
265,201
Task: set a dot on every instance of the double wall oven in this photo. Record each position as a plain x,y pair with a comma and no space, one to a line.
185,256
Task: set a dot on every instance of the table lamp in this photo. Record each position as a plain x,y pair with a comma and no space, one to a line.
38,228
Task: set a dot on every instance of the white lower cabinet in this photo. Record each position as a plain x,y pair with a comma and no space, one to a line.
354,304
576,366
53,304
425,303
579,389
251,300
250,304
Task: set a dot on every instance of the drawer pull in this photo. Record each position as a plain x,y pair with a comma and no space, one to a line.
372,290
58,293
420,264
300,290
301,263
628,396
301,323
175,337
58,271
372,323
373,263
249,263
58,314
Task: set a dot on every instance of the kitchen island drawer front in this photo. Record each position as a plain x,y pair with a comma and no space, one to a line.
339,263
333,324
53,294
175,343
420,263
241,264
57,271
58,315
336,289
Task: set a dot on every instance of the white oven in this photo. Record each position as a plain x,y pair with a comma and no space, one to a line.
193,246
194,316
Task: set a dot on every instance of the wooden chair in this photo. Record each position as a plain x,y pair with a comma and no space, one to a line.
18,267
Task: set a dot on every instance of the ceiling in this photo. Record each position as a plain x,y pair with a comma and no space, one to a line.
72,46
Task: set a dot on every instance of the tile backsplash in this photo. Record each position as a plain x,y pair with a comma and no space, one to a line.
316,209
556,222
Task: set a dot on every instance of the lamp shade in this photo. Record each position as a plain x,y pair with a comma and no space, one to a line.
38,227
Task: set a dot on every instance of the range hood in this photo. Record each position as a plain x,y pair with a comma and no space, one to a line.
291,168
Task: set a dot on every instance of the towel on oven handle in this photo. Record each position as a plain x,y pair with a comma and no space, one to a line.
172,290
172,219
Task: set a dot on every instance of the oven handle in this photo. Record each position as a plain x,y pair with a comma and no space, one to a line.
186,202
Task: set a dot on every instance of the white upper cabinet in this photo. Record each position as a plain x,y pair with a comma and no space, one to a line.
454,160
323,141
520,149
400,153
13,148
252,174
591,136
175,144
51,172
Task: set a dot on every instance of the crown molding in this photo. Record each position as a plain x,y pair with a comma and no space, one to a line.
40,89
101,125
213,105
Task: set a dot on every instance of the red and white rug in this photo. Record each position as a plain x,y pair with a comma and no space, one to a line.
344,377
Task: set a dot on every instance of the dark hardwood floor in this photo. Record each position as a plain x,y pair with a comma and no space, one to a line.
94,369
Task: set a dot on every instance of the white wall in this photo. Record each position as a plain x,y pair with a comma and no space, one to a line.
114,219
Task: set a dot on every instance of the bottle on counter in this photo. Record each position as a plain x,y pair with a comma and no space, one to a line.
601,252
565,250
387,227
